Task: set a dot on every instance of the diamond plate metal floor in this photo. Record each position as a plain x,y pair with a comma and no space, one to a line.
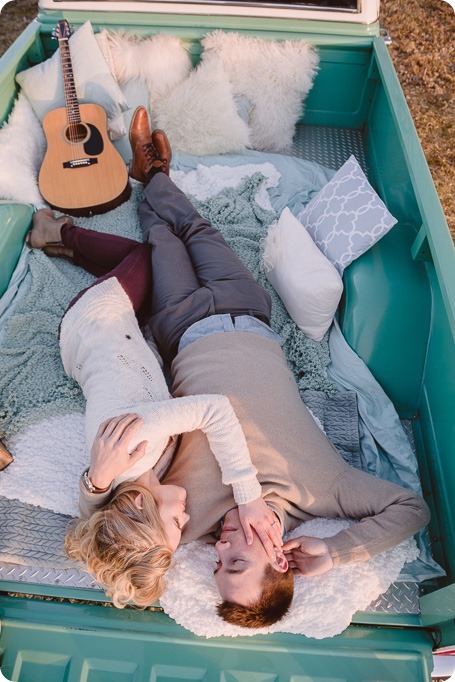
330,147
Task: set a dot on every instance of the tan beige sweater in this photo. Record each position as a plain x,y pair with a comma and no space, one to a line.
300,471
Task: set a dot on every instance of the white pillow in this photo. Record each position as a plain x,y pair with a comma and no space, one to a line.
161,61
22,147
307,283
275,76
346,217
43,84
200,117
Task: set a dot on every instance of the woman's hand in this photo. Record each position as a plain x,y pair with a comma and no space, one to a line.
308,556
110,456
259,516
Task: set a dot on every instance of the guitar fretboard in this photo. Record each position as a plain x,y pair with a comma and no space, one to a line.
72,105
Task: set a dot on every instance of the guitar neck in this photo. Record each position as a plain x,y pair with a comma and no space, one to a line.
71,103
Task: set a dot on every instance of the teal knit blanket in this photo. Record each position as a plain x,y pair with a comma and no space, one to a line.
33,384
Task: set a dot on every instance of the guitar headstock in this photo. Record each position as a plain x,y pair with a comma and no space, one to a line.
62,31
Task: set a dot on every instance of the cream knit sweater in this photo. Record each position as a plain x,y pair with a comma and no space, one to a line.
103,349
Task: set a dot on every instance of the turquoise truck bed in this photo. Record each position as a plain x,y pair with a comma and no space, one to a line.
397,312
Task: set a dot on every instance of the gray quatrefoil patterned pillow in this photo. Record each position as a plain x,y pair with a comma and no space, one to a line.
346,217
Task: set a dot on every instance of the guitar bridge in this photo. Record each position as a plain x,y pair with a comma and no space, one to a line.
77,163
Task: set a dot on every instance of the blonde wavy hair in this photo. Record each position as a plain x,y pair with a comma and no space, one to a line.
125,548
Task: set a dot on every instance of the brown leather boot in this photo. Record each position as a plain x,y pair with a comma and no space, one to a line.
163,148
146,160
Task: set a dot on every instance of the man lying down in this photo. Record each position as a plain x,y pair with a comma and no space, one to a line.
210,320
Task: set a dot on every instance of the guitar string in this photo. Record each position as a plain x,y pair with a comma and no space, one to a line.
69,92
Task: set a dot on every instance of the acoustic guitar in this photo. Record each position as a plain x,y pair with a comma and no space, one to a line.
82,172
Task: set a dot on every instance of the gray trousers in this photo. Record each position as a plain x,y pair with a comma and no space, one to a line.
195,273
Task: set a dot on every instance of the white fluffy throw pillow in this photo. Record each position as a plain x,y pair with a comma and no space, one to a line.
275,76
200,117
161,61
22,147
305,280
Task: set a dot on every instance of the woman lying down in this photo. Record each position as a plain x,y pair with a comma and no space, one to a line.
127,544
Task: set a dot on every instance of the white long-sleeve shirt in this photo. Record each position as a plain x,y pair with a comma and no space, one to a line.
103,349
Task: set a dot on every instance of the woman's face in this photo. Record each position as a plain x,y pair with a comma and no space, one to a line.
171,502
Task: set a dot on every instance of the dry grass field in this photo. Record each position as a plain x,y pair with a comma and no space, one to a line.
423,51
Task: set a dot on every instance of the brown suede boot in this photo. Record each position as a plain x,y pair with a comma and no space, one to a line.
45,233
147,160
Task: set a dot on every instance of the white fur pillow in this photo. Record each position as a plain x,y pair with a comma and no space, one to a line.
305,280
22,147
161,61
323,606
200,116
275,76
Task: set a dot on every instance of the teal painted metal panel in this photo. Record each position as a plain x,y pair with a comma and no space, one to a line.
40,666
338,97
437,410
387,316
394,341
439,606
15,221
404,328
26,49
447,634
92,643
150,23
433,219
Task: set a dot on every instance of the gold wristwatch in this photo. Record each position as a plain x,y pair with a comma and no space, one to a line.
91,487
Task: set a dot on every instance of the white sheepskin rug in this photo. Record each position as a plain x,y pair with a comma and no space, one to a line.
275,76
323,606
49,457
22,147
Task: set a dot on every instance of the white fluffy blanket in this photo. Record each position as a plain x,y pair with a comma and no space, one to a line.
43,473
323,606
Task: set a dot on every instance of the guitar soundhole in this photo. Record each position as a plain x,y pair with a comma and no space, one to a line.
77,133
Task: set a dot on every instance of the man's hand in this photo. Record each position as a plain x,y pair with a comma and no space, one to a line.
259,516
109,456
308,556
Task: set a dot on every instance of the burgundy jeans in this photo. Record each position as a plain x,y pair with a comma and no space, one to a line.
107,255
